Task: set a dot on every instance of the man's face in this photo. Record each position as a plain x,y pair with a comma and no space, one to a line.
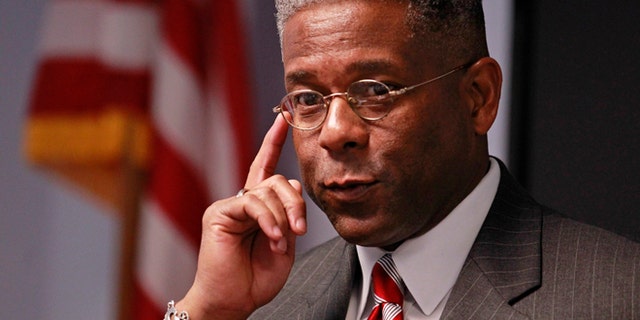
379,182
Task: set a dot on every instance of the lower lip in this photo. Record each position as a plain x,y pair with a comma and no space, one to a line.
357,193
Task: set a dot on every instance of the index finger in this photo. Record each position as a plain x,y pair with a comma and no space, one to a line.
265,162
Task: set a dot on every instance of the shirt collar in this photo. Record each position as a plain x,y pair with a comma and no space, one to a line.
430,264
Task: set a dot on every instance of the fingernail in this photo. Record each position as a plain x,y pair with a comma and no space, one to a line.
282,245
277,232
301,225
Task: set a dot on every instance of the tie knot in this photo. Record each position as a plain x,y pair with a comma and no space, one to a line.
388,290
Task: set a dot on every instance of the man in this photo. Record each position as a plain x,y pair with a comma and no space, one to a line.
390,102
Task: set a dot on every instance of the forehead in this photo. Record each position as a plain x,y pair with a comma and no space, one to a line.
349,36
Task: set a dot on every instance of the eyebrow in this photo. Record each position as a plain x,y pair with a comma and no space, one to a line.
361,67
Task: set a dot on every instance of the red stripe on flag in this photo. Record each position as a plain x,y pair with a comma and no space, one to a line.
179,190
183,29
136,1
145,308
229,53
82,85
207,39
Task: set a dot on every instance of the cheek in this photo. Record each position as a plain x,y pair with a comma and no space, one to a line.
306,149
409,134
426,138
301,147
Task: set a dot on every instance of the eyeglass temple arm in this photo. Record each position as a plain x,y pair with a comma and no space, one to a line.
454,70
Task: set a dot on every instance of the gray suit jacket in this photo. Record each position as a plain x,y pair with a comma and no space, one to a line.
528,262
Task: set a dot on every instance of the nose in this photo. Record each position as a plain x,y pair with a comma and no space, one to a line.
343,129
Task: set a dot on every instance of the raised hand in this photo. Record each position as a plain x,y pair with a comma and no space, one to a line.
248,241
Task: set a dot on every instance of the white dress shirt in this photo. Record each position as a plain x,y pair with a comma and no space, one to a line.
430,264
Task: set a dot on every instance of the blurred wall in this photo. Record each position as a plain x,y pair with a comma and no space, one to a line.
580,109
59,249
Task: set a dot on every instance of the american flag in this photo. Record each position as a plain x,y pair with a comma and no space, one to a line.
164,85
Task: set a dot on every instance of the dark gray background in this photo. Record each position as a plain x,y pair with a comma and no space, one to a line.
576,140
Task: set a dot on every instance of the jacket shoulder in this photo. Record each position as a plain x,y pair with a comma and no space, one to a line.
588,272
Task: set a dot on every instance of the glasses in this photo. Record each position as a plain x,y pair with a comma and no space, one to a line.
370,100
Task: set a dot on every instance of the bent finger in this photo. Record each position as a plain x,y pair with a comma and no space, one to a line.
284,198
295,209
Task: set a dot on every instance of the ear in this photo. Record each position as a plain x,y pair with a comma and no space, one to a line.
482,87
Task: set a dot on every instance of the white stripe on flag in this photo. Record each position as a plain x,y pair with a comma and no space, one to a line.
118,34
178,109
127,40
166,260
223,176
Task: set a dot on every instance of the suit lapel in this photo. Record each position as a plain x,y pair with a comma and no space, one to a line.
319,286
504,264
329,296
475,297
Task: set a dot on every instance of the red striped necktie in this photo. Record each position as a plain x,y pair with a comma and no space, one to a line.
387,290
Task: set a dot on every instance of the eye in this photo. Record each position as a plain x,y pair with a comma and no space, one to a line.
307,99
393,86
306,104
374,89
369,93
366,89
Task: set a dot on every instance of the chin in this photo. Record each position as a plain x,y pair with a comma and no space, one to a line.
360,231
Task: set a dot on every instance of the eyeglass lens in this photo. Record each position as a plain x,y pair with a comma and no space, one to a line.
306,109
